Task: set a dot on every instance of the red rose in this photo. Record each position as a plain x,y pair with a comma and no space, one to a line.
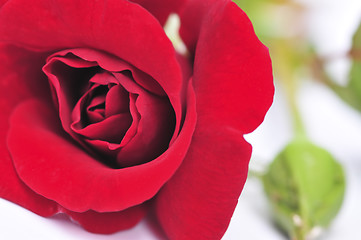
102,120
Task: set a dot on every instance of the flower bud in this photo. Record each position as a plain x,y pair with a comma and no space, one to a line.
305,186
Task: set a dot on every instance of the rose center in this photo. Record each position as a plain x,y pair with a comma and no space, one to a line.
111,108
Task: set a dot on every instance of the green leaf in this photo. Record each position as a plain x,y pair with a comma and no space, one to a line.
352,92
305,186
354,85
356,40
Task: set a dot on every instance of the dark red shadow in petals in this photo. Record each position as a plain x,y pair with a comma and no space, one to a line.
160,8
121,101
117,101
111,222
57,169
84,57
155,129
199,200
110,130
134,127
69,84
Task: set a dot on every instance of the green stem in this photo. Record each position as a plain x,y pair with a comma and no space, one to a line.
290,86
299,234
255,174
345,93
286,70
298,126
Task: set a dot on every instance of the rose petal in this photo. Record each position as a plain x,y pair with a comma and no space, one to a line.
2,2
83,57
160,8
68,83
117,101
134,126
56,68
119,27
192,18
112,148
155,129
93,113
232,69
109,222
233,85
77,113
54,167
111,129
199,200
16,65
154,132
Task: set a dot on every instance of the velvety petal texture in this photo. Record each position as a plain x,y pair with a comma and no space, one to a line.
160,8
119,27
11,187
109,105
232,68
101,119
198,202
65,173
109,222
192,19
2,2
66,24
233,85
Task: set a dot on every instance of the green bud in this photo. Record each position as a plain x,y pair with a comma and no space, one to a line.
305,186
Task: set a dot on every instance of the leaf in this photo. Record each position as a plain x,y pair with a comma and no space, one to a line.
356,40
354,84
305,185
355,72
352,92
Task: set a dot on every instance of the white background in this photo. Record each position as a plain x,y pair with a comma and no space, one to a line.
329,122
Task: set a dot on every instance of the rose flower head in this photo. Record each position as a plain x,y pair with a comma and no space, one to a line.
104,121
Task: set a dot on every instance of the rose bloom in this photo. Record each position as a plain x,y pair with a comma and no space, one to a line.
104,121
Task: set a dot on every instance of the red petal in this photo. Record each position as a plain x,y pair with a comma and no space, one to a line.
57,169
16,65
117,101
192,18
118,27
2,2
111,129
155,129
199,200
154,132
110,222
82,57
134,126
232,70
234,89
157,116
160,8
